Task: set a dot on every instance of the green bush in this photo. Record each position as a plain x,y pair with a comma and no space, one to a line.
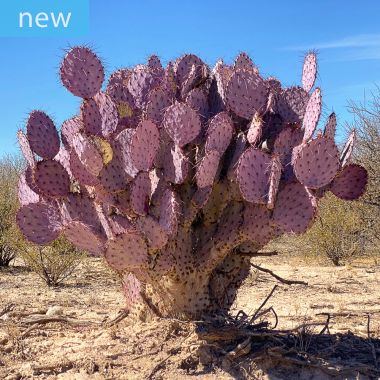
337,232
10,169
53,263
367,153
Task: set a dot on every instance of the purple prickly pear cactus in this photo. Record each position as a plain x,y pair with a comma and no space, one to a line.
172,173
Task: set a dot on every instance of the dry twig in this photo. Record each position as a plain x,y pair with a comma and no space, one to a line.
277,277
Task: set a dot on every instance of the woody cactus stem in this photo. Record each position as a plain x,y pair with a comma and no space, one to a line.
171,174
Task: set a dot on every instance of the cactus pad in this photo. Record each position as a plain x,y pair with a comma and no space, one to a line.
219,133
144,145
140,193
52,178
309,71
100,115
79,208
330,127
69,129
159,100
346,153
39,222
201,196
42,135
120,76
207,169
132,290
291,104
169,210
316,163
25,194
182,123
350,183
25,148
184,65
127,251
82,72
141,82
176,164
255,130
197,100
85,238
88,154
80,172
246,93
294,210
312,114
237,150
253,175
243,62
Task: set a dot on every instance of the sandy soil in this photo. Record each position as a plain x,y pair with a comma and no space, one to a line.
165,349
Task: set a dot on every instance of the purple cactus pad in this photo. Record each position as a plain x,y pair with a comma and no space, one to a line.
253,173
309,71
42,135
82,73
312,114
39,222
181,123
246,94
316,163
51,178
207,169
294,210
350,183
127,251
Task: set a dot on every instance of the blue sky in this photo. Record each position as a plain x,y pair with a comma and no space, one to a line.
275,33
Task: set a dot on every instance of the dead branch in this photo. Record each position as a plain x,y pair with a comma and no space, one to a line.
43,319
258,254
326,327
241,349
351,313
121,315
7,308
263,303
277,277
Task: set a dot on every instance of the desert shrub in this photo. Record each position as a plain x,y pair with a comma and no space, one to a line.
337,232
10,169
367,153
53,263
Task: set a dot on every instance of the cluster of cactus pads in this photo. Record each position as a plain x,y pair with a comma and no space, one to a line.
175,174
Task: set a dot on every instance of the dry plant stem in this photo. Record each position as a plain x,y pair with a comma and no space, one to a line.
263,303
259,254
43,319
7,308
326,327
122,315
277,277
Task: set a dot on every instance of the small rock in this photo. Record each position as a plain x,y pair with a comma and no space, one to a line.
8,349
54,310
3,341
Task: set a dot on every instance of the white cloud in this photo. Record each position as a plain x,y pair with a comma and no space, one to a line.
358,41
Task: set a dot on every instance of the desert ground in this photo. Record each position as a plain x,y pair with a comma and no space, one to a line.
77,344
